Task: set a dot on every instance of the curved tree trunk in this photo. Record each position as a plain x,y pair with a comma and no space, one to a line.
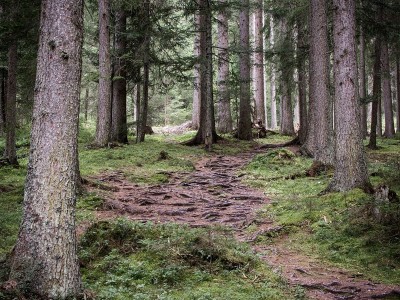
119,129
350,165
103,128
244,126
319,141
11,105
224,101
258,78
45,261
387,91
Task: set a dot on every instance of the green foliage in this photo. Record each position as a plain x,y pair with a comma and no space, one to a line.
123,259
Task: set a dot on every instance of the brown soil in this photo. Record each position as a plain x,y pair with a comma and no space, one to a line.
214,194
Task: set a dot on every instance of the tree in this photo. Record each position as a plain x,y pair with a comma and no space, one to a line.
244,126
258,78
363,84
224,102
119,130
350,165
45,261
302,84
398,91
103,127
319,141
274,122
387,91
196,73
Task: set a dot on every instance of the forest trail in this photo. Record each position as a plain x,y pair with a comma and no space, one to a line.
213,194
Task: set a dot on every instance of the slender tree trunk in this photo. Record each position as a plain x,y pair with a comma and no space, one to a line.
138,105
45,260
376,92
3,94
244,128
387,91
302,84
103,128
319,141
258,80
363,85
350,164
11,105
86,104
196,74
398,91
224,101
119,130
274,123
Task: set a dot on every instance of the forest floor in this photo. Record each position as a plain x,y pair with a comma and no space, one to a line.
215,194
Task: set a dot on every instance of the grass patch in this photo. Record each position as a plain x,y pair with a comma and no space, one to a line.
126,260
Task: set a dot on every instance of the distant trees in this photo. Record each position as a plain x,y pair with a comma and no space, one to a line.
45,261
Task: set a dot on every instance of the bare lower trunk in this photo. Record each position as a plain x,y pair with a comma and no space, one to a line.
274,123
45,260
350,165
224,102
302,85
376,93
11,105
258,77
319,141
287,127
398,92
103,128
387,92
244,126
363,85
196,74
3,94
86,104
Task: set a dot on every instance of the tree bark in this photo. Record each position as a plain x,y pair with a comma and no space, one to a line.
387,91
350,164
45,261
302,84
376,93
11,105
363,84
319,141
224,102
274,122
258,78
119,128
196,73
398,91
244,126
103,128
86,104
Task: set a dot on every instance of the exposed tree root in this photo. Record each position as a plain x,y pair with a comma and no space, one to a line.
199,140
294,142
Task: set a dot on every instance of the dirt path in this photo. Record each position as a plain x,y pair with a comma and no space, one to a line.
214,195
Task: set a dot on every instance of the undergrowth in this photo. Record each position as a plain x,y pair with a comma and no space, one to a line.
340,227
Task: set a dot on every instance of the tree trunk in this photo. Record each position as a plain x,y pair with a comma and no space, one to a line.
350,165
387,91
138,105
258,77
196,73
45,261
11,105
363,85
86,104
103,128
244,126
3,94
376,93
224,101
319,141
286,57
274,123
119,129
302,84
398,91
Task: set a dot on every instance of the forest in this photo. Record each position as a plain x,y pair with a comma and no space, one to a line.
199,149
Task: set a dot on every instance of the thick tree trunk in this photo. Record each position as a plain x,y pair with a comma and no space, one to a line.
363,85
45,258
224,102
387,91
103,128
302,84
244,126
376,92
196,73
274,122
258,74
398,91
11,105
119,129
319,141
350,165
